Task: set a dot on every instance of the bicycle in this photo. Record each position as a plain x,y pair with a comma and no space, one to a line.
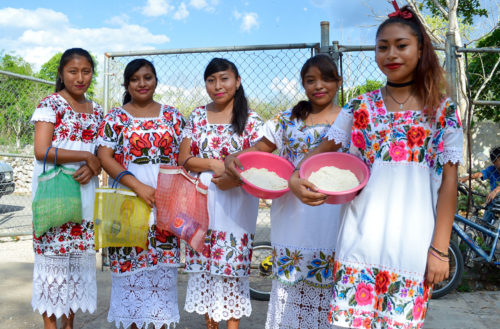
261,271
480,239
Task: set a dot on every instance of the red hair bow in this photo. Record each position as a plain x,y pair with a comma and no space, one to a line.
405,14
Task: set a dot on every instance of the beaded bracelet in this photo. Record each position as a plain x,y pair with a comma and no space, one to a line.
440,253
441,259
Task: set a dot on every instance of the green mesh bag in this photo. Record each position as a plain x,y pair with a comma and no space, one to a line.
57,200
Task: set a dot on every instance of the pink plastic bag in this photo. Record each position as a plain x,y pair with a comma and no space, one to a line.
181,205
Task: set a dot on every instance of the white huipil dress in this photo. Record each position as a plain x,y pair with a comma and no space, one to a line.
303,237
64,275
144,281
218,276
387,229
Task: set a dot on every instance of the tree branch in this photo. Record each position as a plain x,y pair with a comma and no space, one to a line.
488,78
434,37
440,8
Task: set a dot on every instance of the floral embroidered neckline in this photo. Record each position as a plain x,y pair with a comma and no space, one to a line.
71,109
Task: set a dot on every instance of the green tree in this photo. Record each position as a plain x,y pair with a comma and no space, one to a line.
484,77
369,85
467,10
48,71
18,99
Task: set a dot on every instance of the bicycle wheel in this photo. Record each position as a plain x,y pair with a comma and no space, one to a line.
455,276
261,271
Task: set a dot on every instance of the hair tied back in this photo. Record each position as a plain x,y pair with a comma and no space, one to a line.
398,13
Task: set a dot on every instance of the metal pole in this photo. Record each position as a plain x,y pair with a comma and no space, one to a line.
451,65
106,83
335,58
325,37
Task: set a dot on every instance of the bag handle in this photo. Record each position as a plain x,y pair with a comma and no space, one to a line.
119,177
45,158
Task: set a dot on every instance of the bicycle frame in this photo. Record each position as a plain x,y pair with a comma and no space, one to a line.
471,243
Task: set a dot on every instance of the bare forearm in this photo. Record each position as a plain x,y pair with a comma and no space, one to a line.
63,155
445,208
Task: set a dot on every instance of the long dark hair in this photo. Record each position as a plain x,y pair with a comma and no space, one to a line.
430,81
68,55
240,103
132,67
329,72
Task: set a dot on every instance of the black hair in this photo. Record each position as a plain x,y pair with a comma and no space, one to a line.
495,153
132,67
329,72
430,82
67,56
240,103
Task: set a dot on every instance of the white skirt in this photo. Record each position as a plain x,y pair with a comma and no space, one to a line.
145,297
222,298
298,306
64,284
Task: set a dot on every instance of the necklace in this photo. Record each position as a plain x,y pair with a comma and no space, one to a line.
399,85
400,104
69,99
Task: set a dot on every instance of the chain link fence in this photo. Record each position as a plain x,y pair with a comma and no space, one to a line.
270,75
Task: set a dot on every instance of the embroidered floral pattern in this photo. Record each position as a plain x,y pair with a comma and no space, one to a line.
143,140
77,128
399,136
378,298
314,267
216,141
223,254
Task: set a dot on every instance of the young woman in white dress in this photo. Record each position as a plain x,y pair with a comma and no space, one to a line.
218,284
64,275
138,137
394,236
302,236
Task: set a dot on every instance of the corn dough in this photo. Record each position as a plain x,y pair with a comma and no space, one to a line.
333,179
265,179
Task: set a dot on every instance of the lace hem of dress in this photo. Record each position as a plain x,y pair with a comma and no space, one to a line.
146,297
64,283
298,306
338,135
222,298
100,142
453,155
143,269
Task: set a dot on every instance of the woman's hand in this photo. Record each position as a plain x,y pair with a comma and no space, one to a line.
225,182
231,163
437,269
305,190
83,175
94,164
217,166
146,192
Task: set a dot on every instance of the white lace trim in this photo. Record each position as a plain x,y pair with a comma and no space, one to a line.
453,155
338,135
46,114
64,283
146,297
222,298
298,306
101,142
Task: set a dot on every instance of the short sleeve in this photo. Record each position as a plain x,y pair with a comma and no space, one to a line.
340,130
109,130
179,126
488,173
272,130
187,132
254,128
450,148
45,111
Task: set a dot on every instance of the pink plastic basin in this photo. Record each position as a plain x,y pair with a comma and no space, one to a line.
271,162
341,161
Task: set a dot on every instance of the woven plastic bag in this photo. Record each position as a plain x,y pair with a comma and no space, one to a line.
120,217
57,199
181,205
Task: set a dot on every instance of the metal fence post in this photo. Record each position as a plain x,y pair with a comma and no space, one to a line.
106,83
451,64
325,38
